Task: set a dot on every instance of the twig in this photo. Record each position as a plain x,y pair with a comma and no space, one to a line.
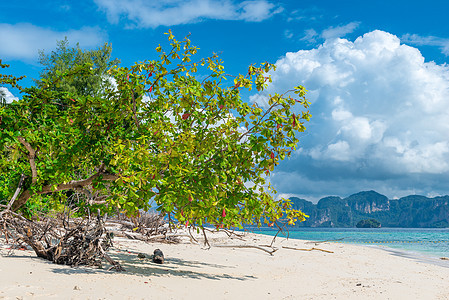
206,241
279,231
192,238
291,248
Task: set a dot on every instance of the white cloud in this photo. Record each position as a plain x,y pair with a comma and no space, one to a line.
288,34
256,11
339,31
310,35
378,111
340,114
9,97
174,12
442,43
339,151
23,41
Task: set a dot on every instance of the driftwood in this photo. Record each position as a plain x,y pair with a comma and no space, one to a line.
300,249
66,241
145,225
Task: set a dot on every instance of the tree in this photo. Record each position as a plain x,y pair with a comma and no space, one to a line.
67,59
5,158
193,147
368,223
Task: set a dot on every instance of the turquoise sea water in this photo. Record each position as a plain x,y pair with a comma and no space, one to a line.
433,242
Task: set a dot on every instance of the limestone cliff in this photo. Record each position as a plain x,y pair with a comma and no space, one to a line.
411,211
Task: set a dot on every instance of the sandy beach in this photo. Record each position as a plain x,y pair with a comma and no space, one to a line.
190,272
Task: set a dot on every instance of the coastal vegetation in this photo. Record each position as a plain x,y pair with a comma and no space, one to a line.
94,137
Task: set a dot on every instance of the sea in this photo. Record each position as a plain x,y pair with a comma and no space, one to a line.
425,244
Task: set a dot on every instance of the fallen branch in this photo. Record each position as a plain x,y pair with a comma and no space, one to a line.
320,242
247,246
155,238
115,265
300,249
170,236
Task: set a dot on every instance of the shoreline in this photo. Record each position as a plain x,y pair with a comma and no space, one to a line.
350,272
423,257
414,255
402,248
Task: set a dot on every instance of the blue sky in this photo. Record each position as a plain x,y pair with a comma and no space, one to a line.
375,70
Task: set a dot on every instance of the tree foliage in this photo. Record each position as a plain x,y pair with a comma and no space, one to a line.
162,134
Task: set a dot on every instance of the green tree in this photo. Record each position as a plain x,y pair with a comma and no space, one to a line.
368,223
5,154
73,60
192,146
66,59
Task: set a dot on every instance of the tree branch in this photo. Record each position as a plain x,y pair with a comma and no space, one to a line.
76,185
19,188
31,157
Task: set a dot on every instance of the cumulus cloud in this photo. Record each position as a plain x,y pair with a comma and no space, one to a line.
175,12
23,41
380,114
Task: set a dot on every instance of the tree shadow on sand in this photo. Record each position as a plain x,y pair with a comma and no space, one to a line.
175,267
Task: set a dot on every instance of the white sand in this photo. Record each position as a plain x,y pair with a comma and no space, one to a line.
351,272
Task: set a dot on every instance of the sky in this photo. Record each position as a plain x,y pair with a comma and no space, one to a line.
375,72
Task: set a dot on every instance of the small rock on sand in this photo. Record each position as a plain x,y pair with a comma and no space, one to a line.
158,256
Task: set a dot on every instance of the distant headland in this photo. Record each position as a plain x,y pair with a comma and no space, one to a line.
409,212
